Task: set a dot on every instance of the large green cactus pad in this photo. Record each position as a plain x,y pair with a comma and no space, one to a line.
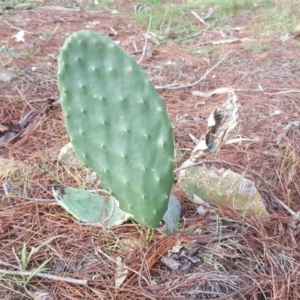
117,123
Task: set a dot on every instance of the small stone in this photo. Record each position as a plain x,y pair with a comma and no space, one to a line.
171,263
5,76
8,167
67,157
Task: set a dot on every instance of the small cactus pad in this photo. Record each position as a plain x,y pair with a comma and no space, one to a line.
117,123
221,186
87,207
172,216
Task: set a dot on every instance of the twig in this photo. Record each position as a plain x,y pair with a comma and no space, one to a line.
224,41
55,100
18,28
50,103
60,8
146,41
175,87
271,193
6,264
199,18
281,91
224,90
228,142
17,258
193,35
135,48
9,190
45,276
36,199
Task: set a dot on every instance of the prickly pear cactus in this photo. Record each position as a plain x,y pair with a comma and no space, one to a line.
172,216
117,123
220,186
88,207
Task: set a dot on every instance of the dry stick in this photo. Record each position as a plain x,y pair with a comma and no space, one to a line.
199,18
273,197
8,193
38,200
6,264
225,41
59,8
175,87
18,28
45,276
55,99
262,90
146,41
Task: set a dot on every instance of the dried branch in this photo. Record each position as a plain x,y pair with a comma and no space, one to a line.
146,41
45,276
175,87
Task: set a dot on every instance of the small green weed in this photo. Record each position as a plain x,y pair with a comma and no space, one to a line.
10,52
278,21
12,3
204,50
148,235
100,5
169,20
231,6
257,48
176,21
26,258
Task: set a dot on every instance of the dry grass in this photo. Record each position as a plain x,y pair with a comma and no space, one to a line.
251,259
